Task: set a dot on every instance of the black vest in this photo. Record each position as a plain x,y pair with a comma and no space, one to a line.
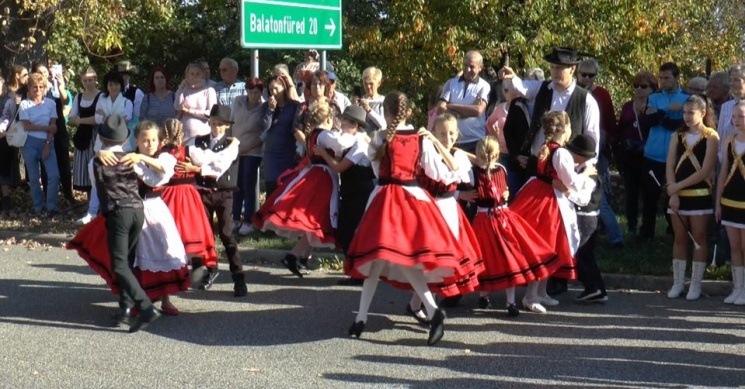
130,95
576,108
117,185
229,179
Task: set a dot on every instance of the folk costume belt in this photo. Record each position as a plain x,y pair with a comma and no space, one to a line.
490,209
393,181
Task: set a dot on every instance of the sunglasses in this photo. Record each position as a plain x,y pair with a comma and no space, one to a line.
643,86
588,75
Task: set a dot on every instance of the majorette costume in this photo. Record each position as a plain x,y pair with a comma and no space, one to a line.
733,194
457,221
549,210
188,212
307,205
160,262
514,253
689,159
402,226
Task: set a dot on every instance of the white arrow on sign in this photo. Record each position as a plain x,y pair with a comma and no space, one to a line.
331,27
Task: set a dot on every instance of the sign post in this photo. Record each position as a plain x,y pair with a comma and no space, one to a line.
291,24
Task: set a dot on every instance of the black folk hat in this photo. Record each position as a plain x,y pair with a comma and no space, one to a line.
356,114
562,56
221,112
114,129
582,145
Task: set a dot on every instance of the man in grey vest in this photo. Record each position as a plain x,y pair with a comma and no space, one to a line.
560,93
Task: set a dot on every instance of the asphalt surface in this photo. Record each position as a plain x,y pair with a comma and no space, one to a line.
56,332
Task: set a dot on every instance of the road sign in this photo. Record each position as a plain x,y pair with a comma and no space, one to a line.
293,24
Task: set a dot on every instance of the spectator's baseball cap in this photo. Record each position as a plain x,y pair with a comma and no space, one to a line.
331,76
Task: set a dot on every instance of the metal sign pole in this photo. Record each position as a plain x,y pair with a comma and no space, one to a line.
255,63
323,60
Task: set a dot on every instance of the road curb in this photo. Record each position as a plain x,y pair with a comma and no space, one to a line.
612,281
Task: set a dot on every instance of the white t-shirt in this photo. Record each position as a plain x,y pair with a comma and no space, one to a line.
40,115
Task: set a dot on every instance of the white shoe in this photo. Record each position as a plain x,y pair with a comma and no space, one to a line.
547,301
679,269
236,224
85,219
245,229
737,274
697,275
533,306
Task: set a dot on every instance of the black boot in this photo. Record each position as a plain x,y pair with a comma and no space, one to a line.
290,262
436,327
356,329
240,288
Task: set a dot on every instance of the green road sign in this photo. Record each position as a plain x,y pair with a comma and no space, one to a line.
294,24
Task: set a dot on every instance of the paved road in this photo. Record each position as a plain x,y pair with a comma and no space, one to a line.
290,333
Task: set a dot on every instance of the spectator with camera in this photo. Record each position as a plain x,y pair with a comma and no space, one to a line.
633,130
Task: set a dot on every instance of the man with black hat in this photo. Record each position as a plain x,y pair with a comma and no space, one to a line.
121,206
214,157
560,93
132,92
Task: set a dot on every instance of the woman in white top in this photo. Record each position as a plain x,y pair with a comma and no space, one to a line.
38,115
194,101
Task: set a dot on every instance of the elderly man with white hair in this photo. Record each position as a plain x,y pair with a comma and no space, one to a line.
230,86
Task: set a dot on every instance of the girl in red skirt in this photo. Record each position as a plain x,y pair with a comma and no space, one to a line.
550,210
403,237
306,208
514,253
445,134
160,261
186,204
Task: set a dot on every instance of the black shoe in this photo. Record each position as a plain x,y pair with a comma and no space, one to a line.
587,295
356,329
240,289
350,281
290,262
450,302
144,319
209,280
484,302
123,316
436,327
512,310
602,298
556,287
302,263
410,312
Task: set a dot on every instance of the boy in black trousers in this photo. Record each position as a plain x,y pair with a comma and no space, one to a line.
121,205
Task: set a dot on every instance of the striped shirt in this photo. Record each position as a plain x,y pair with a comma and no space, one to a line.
157,110
725,128
226,94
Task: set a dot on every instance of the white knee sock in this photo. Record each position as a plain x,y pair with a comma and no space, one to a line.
510,292
531,291
368,290
419,283
542,286
415,303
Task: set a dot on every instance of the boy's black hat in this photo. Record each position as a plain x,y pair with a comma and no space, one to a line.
114,129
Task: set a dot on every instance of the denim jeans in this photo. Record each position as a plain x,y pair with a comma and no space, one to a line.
607,215
514,179
32,152
247,195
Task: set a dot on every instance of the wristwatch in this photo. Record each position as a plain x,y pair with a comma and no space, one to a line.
48,141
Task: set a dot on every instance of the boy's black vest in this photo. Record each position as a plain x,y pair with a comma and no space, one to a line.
229,179
117,185
130,95
597,195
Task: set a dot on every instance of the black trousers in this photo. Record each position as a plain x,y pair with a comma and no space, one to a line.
651,193
220,203
588,272
123,228
633,179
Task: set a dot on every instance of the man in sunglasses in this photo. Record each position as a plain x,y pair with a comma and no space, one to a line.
587,74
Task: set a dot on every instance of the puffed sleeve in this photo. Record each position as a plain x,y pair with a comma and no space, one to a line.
336,141
434,167
463,174
580,186
154,178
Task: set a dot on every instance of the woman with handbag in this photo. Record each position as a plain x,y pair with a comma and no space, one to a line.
38,116
82,116
9,169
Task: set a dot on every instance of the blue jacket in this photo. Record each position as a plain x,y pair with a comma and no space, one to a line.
664,123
